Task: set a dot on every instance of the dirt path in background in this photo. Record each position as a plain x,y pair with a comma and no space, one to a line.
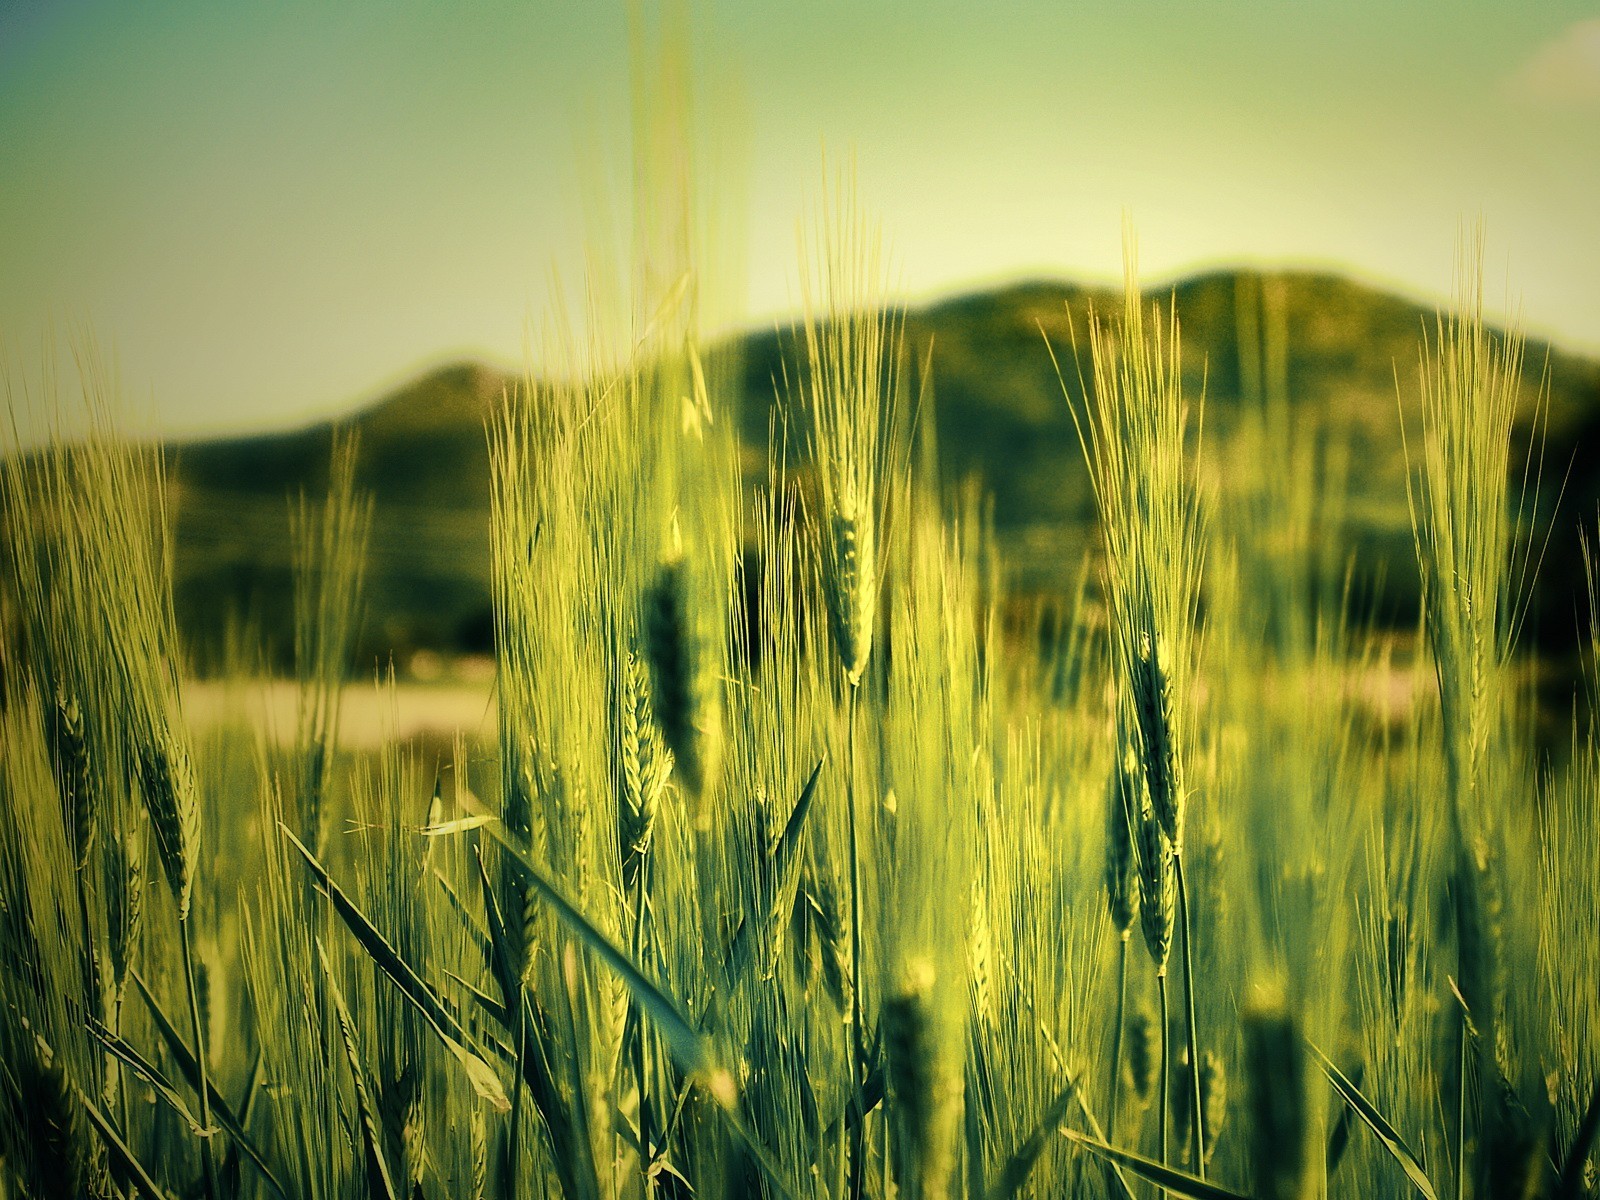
369,715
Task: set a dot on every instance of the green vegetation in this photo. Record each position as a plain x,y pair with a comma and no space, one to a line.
929,760
1330,347
808,852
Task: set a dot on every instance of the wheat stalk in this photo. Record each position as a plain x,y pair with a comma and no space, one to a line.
1124,799
852,350
646,765
1134,435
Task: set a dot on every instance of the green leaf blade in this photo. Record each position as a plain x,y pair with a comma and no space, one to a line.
1374,1120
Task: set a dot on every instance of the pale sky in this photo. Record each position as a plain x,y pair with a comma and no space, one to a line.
269,212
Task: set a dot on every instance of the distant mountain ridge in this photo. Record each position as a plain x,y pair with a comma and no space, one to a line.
1000,414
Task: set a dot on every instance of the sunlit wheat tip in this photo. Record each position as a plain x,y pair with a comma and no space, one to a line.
646,765
853,342
852,594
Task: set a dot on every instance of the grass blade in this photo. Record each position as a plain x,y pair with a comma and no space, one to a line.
496,1010
526,1024
378,947
119,1152
690,1047
458,825
184,1058
1179,1183
789,841
1015,1173
469,921
380,1183
230,1170
782,859
499,955
1018,1167
1386,1133
759,1153
416,989
148,1073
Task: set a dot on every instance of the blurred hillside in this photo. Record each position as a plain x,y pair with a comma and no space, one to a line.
1334,349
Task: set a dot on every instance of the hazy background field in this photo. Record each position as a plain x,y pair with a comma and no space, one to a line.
271,221
1001,421
765,745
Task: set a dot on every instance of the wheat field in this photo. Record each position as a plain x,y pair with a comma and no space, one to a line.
802,859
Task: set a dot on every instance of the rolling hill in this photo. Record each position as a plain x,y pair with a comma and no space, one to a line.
1335,348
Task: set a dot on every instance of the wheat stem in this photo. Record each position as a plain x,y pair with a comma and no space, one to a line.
201,1054
1197,1125
639,1031
857,1055
511,1168
1116,1047
1164,1097
1116,1038
1461,1106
